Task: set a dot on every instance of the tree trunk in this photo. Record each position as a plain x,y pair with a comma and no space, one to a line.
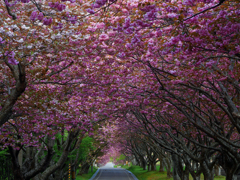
185,174
30,171
137,161
17,172
134,162
161,169
230,175
167,163
92,168
18,71
153,166
229,165
62,159
16,167
84,169
197,177
20,158
208,173
143,163
230,170
217,170
175,167
149,166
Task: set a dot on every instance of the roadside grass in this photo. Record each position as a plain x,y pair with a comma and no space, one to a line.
156,175
86,176
126,166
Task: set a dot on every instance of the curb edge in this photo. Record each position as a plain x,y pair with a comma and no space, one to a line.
134,177
94,175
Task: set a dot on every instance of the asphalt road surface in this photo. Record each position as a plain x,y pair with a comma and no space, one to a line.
109,173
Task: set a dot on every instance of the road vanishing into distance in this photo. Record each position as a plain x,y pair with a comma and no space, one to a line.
107,172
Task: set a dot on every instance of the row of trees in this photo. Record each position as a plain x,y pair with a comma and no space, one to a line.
165,71
182,87
77,158
47,90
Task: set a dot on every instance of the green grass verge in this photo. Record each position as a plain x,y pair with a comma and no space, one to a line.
125,167
155,175
86,176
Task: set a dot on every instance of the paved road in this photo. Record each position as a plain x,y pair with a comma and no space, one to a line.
109,173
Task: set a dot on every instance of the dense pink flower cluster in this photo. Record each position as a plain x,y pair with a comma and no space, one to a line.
11,57
168,63
57,5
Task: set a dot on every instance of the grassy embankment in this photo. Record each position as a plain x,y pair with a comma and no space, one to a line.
155,175
86,176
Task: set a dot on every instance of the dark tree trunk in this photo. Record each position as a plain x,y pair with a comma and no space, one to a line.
143,163
84,169
153,166
208,173
18,72
161,169
137,160
168,165
149,166
185,174
175,167
229,165
17,173
92,168
15,165
30,171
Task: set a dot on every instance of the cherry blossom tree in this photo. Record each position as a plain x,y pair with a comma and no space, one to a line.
182,60
166,70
